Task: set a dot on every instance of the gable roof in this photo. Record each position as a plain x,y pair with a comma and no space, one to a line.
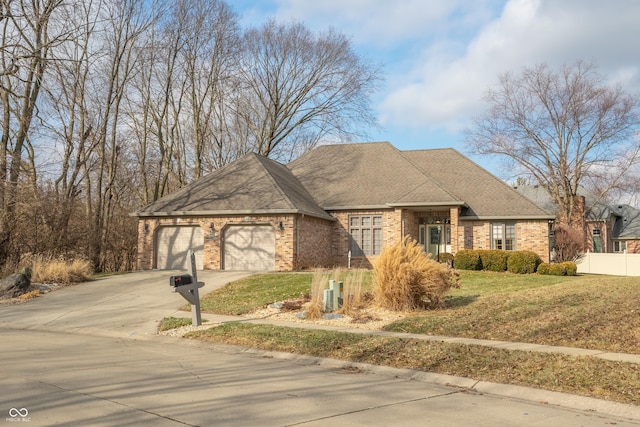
348,177
366,175
252,184
627,224
486,196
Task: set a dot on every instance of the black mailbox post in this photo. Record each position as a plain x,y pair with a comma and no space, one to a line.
187,285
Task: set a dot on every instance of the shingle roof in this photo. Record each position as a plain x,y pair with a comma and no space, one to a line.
485,195
349,176
627,224
366,175
251,185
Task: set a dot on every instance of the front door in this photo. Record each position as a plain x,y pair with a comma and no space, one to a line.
434,240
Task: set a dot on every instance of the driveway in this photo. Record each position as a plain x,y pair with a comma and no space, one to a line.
87,355
128,305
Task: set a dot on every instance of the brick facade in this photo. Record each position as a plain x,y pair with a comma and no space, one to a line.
314,243
304,242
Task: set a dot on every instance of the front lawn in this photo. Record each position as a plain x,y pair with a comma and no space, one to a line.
598,312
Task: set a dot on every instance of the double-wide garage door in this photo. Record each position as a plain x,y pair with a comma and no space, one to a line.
172,244
249,247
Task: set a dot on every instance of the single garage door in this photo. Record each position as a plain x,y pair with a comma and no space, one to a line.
250,247
172,244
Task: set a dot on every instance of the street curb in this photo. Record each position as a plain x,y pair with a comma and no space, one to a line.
540,397
534,396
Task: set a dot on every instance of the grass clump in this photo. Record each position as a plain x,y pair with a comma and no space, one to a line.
315,308
48,269
355,296
407,279
169,323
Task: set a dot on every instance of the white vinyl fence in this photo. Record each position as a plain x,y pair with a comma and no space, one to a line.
618,264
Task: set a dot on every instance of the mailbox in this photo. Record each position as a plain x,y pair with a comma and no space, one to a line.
184,279
187,285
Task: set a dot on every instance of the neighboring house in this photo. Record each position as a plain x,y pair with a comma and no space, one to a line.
606,228
337,205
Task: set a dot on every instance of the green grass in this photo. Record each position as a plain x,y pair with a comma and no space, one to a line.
578,375
173,322
256,291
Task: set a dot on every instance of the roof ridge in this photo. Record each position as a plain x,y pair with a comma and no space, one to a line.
262,159
196,183
430,178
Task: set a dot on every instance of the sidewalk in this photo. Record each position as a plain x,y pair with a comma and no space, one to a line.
215,319
631,412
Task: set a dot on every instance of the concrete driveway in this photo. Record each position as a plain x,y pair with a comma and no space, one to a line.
87,355
129,305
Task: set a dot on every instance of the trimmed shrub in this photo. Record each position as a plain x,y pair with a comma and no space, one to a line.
467,259
567,268
406,278
523,262
571,268
446,258
544,268
555,269
493,259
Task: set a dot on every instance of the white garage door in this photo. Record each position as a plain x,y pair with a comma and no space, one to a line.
250,247
172,244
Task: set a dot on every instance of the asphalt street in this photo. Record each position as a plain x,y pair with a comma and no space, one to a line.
88,355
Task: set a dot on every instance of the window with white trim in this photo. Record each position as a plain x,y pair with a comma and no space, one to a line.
619,245
366,235
503,236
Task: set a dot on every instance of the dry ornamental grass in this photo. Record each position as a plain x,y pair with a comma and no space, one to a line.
408,279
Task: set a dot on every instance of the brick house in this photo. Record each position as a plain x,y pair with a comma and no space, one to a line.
606,228
337,205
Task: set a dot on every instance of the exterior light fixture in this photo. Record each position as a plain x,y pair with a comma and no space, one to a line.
281,226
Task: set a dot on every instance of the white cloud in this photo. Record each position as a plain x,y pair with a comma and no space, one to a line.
446,92
442,55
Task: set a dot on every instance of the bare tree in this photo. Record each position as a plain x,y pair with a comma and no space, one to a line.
124,24
299,87
562,127
211,46
24,55
568,243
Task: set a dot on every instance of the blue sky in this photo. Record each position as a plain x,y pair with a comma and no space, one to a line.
440,56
